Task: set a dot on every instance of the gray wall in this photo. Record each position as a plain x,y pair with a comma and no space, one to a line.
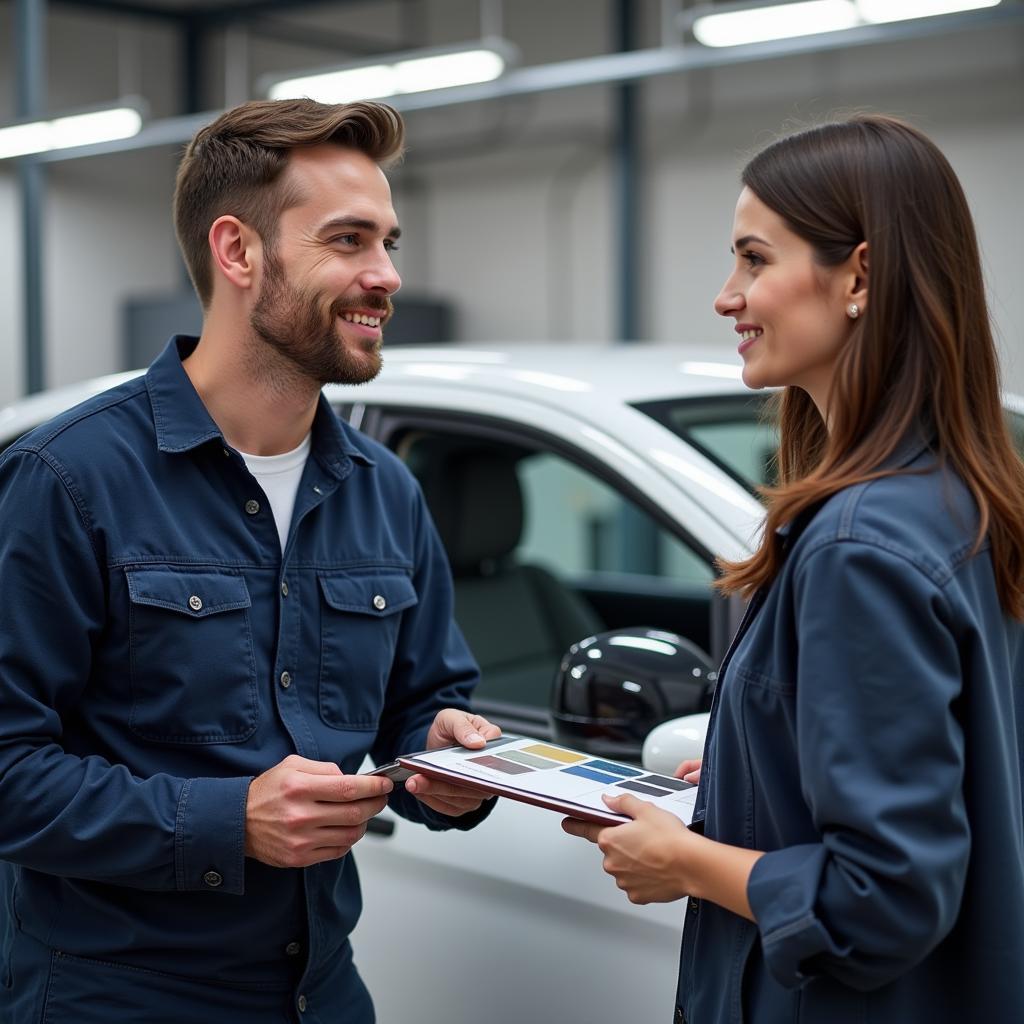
507,208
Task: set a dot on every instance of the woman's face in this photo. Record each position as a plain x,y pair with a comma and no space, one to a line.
790,312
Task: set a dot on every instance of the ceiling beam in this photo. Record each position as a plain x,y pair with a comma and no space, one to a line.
213,14
607,69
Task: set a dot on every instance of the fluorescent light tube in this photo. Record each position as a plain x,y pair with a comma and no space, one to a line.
447,70
901,10
98,126
376,81
780,21
400,74
73,130
21,139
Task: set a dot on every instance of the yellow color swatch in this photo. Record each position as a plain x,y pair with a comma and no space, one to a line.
554,753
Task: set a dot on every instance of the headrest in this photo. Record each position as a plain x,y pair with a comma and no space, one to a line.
474,496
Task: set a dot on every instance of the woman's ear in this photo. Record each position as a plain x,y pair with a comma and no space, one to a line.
234,250
858,290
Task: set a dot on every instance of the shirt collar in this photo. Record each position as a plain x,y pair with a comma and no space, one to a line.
915,442
182,421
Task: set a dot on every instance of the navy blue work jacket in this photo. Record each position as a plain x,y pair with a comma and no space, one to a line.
156,653
867,733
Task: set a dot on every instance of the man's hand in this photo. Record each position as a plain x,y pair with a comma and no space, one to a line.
451,727
689,771
302,812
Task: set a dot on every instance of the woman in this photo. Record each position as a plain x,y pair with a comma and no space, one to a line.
857,852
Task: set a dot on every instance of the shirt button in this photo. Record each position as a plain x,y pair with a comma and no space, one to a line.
693,905
379,603
293,949
252,506
195,603
284,589
286,679
302,1004
213,879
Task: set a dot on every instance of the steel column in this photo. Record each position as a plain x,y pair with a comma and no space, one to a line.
639,540
29,40
626,172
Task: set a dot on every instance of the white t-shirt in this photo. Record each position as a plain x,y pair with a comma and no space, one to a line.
279,477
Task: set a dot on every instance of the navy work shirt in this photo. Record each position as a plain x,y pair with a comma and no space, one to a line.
157,652
867,733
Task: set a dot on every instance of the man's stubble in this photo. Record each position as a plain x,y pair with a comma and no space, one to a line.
307,344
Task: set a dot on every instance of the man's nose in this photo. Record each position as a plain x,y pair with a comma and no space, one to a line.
381,275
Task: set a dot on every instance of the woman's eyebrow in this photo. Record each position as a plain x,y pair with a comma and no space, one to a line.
746,240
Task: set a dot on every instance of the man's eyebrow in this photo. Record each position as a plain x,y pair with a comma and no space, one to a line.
360,224
746,240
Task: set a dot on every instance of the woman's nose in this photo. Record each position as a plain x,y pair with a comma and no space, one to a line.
730,300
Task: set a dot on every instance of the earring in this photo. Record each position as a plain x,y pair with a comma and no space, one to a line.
853,311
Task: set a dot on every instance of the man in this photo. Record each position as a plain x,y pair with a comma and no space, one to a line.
220,598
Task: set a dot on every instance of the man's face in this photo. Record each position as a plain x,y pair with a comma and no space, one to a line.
326,285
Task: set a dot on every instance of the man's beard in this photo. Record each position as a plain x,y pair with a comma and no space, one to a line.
292,324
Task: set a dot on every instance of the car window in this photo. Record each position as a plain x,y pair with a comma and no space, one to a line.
1016,421
578,525
736,432
546,550
739,434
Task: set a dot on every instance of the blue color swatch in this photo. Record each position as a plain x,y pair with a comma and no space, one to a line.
586,773
615,769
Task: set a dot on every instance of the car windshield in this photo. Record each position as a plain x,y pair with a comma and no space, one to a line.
738,432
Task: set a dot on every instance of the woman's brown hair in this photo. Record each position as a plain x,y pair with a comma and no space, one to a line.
234,166
920,357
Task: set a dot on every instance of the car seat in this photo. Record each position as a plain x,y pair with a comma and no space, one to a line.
518,619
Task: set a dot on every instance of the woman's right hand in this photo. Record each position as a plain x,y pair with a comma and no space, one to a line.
689,771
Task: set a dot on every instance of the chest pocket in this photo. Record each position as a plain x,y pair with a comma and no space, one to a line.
193,673
359,622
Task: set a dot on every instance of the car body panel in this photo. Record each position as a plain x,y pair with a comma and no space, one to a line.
515,920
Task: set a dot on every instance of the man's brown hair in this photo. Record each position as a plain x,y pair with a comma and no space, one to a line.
233,166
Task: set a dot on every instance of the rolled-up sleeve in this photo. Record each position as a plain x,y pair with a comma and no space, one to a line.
66,815
881,757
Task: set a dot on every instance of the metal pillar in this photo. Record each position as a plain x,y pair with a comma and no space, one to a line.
30,88
193,39
638,536
626,171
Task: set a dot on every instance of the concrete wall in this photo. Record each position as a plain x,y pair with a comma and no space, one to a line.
507,207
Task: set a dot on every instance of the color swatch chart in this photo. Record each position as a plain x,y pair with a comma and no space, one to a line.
534,766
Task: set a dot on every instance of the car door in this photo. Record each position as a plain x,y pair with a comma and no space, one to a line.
516,920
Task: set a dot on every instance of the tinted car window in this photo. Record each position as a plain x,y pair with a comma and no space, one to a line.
736,432
580,525
1016,421
739,434
545,552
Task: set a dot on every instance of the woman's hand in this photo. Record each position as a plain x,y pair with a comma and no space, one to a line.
647,856
655,858
689,771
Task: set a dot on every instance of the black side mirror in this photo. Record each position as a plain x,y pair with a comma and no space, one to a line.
613,688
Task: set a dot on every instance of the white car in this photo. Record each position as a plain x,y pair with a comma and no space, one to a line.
578,489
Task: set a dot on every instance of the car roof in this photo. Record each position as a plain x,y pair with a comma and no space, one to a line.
627,373
566,373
